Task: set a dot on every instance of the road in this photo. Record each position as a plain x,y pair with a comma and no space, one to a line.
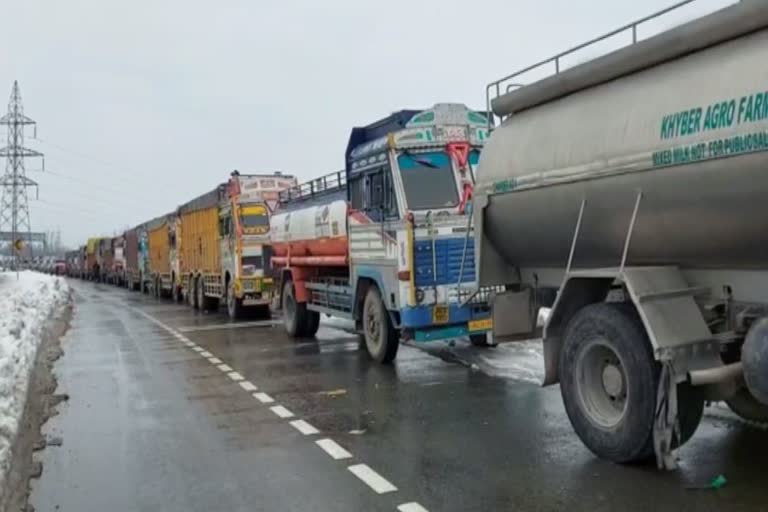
155,422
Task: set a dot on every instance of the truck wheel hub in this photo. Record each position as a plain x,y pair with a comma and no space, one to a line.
373,324
613,381
602,384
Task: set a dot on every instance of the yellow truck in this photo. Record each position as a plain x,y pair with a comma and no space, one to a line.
199,264
223,245
161,243
92,270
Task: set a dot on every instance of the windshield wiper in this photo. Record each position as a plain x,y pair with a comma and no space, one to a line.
420,161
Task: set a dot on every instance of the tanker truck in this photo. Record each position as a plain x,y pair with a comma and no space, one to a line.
634,185
385,242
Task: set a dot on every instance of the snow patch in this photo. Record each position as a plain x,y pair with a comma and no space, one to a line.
26,304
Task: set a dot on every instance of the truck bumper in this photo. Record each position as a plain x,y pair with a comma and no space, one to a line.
431,323
256,291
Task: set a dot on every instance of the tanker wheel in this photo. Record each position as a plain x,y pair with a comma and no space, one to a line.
234,305
609,381
192,293
381,338
746,406
295,314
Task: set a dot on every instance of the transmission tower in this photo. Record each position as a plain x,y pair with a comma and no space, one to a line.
14,208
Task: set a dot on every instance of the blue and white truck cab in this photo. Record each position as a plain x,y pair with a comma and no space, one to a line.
388,242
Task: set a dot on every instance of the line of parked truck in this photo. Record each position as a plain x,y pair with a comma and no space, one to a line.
208,251
626,192
384,242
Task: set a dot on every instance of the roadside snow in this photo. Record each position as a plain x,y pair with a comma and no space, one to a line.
25,306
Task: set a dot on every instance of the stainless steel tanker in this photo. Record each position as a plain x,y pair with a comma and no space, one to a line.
636,185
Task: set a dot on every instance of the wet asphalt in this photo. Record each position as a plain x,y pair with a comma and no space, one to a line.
152,425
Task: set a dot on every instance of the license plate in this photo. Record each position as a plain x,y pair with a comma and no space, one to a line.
480,325
440,315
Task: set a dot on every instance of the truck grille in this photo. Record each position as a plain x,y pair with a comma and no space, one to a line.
448,252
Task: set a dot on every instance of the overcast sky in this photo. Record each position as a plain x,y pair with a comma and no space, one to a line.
144,104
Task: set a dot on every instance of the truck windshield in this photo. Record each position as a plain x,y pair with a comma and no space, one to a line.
428,180
254,216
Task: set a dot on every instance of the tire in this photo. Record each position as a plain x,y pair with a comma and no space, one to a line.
609,382
690,411
480,340
234,305
178,298
294,313
192,293
381,338
203,304
747,407
312,323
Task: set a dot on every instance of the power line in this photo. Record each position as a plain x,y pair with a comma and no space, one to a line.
98,160
69,208
114,193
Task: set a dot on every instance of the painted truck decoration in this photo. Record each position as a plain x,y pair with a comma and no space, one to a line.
649,220
225,251
385,242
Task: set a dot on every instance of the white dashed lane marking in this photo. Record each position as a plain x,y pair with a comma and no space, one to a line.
411,507
304,427
281,411
372,479
333,449
248,385
263,398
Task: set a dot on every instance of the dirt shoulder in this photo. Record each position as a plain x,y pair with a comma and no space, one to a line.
40,405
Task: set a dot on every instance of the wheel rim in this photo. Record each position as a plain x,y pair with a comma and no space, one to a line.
602,384
372,325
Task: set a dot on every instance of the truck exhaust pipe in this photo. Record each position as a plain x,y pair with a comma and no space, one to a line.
715,375
754,356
